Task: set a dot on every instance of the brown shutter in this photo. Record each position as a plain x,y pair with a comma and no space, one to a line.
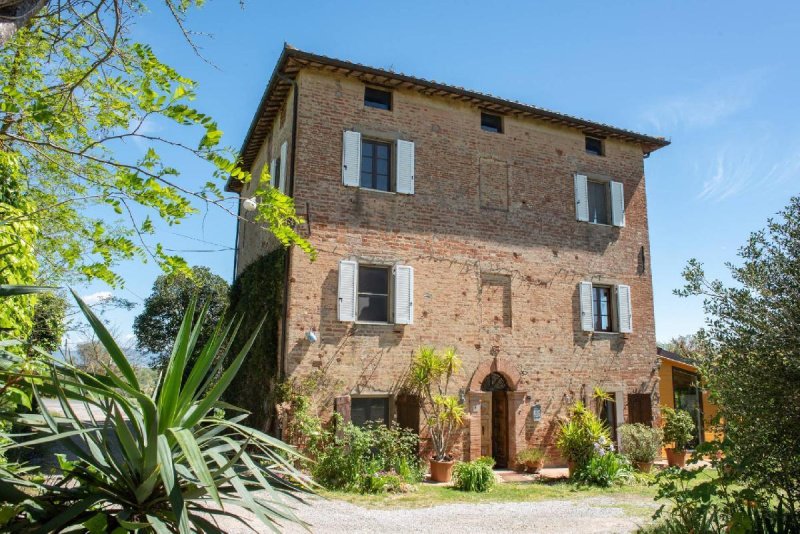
407,407
640,408
341,405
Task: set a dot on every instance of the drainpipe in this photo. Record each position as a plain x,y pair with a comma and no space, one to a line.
288,258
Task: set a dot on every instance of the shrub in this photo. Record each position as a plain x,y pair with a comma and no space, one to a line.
678,427
368,460
163,462
474,476
531,454
640,443
582,436
604,469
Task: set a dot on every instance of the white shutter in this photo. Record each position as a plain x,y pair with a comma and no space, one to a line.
282,182
617,204
403,294
581,198
348,270
405,167
624,309
351,158
272,174
587,318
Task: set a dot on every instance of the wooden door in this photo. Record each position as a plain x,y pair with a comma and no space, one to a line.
640,408
500,428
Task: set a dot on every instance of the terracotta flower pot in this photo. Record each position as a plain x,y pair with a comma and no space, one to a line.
676,458
644,467
441,471
534,467
571,467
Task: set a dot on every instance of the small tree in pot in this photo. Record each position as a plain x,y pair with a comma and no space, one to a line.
641,444
429,378
678,430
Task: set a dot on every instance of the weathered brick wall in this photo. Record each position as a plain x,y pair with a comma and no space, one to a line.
462,241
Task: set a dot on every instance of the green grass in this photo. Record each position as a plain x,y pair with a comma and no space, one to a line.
432,495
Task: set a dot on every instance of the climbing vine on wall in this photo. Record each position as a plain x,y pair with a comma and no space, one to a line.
258,293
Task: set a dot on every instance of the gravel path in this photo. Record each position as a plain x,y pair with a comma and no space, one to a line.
593,515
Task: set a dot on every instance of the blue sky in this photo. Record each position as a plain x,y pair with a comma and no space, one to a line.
720,79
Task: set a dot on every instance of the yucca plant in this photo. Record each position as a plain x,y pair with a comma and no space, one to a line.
172,461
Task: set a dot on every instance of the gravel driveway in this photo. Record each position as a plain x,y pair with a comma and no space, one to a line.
592,515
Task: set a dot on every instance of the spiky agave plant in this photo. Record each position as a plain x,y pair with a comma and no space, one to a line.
172,461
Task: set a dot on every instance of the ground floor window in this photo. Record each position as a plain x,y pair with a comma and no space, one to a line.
608,414
689,397
364,409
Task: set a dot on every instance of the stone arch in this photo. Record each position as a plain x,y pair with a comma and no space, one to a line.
496,365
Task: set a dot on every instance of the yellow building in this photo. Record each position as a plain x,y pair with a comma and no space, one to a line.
680,389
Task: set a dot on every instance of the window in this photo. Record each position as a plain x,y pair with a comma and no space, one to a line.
594,146
375,165
598,202
491,123
373,294
688,396
601,308
276,173
608,414
375,98
375,409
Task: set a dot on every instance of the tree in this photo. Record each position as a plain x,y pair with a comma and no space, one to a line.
750,354
49,321
685,346
75,91
157,326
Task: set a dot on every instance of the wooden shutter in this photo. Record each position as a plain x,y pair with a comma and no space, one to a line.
640,408
403,294
272,173
351,158
282,182
617,204
587,317
408,407
405,167
341,405
624,310
581,198
348,270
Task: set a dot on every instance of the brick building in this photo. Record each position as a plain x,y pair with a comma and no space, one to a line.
447,217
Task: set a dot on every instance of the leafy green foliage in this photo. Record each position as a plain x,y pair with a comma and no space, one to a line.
640,443
258,293
604,469
165,462
49,316
429,377
158,324
367,459
476,475
581,435
678,427
749,353
530,455
18,267
74,90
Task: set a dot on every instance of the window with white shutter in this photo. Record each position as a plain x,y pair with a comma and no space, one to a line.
587,319
405,167
351,158
272,176
403,294
617,204
624,310
581,198
348,271
282,179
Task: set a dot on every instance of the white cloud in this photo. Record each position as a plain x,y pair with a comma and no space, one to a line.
97,298
707,105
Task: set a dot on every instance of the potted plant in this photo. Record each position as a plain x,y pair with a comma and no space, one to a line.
429,378
678,429
581,436
641,444
531,459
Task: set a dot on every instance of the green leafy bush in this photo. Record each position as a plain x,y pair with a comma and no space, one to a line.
531,454
474,476
604,469
368,459
640,443
580,437
678,427
164,462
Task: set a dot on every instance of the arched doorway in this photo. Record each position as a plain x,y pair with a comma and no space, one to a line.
498,386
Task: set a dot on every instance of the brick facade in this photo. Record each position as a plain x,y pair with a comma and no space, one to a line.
498,255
